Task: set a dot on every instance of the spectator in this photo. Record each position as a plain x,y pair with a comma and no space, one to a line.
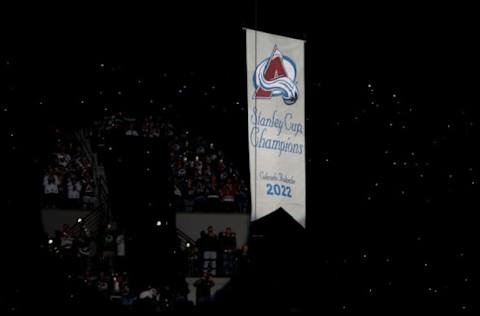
92,253
109,248
150,293
156,131
177,192
116,282
51,192
212,188
204,286
242,259
103,284
74,187
83,248
228,244
63,159
132,131
229,190
192,256
120,260
127,298
66,241
89,196
210,248
242,197
50,173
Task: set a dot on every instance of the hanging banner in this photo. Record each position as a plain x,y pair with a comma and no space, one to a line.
276,124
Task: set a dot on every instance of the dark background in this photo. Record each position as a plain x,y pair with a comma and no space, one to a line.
381,235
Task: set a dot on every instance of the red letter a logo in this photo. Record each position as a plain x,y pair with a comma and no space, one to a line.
273,71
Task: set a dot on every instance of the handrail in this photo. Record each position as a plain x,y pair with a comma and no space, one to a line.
93,215
104,197
187,238
102,209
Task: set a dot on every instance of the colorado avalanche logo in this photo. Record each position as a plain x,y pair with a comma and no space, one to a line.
275,76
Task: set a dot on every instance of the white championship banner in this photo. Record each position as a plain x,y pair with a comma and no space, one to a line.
276,124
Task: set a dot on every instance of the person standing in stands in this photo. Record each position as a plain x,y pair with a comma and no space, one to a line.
51,192
92,253
120,260
228,192
131,131
74,187
242,259
210,248
228,244
89,196
204,286
109,247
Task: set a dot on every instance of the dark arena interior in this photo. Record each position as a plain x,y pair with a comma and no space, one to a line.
124,144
